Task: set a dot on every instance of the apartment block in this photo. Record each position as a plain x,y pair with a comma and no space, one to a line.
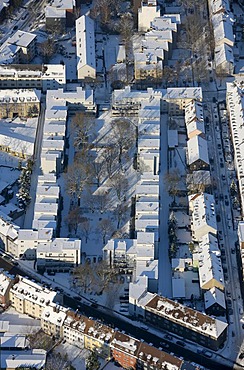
6,283
125,350
19,48
19,103
85,48
146,13
30,298
186,322
43,77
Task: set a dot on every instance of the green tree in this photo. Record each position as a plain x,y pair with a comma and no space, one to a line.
92,362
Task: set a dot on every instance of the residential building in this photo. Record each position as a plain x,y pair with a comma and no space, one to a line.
18,137
27,359
203,216
85,48
214,302
178,97
235,107
186,322
98,338
26,243
210,266
43,77
8,233
6,283
194,119
20,103
60,14
19,48
152,358
59,254
146,13
224,60
73,329
30,298
52,319
197,153
125,350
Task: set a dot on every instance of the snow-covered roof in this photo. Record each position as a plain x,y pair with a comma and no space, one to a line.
54,314
163,23
235,106
21,38
210,266
5,282
187,317
202,206
223,53
18,136
59,245
155,358
147,268
183,93
15,96
197,149
214,296
13,341
138,287
33,292
85,42
8,229
194,117
40,234
125,343
53,12
223,29
35,358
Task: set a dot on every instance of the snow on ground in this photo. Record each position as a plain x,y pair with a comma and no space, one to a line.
92,241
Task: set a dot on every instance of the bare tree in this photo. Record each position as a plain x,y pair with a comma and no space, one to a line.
123,134
84,275
75,180
56,361
105,228
120,213
110,156
106,274
47,49
125,28
82,126
101,200
171,181
194,32
120,184
85,228
74,218
168,76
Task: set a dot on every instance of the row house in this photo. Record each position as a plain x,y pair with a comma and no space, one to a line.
209,263
194,119
157,45
29,298
203,216
83,332
197,153
222,22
